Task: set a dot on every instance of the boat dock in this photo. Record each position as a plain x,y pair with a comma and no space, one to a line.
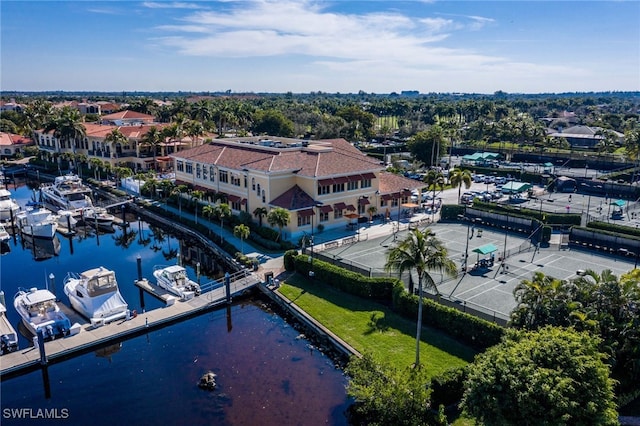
93,337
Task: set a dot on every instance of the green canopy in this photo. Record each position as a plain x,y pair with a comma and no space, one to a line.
619,203
485,249
548,164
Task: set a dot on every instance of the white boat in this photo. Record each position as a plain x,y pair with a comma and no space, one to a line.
37,222
97,216
67,192
174,279
4,234
66,219
8,335
39,311
95,294
8,206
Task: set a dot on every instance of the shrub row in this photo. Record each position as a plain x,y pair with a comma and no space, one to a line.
615,228
551,218
476,332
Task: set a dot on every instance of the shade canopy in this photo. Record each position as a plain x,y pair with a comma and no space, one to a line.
619,203
485,249
516,187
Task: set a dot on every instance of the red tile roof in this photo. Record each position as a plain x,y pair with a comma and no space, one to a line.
294,199
128,115
392,183
11,139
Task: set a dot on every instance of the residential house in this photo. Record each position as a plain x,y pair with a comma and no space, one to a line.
12,144
322,182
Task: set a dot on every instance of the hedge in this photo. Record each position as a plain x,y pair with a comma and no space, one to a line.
550,218
475,332
627,231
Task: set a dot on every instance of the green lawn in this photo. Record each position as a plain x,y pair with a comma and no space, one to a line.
374,328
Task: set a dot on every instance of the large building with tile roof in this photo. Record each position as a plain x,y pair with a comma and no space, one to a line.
12,144
321,182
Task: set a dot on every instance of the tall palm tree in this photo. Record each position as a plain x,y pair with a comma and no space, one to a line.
194,130
219,211
195,197
177,191
278,217
114,138
152,139
241,231
68,128
260,212
458,177
422,253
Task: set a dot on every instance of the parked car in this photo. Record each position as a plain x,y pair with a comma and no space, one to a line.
500,180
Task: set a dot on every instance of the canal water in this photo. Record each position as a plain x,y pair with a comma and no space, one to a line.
267,372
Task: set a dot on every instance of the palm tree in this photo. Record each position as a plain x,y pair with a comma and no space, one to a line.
194,130
152,139
67,128
178,191
422,253
459,177
219,211
96,164
278,217
259,212
241,231
114,138
195,196
371,210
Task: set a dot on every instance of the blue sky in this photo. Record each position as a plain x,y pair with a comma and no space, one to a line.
308,46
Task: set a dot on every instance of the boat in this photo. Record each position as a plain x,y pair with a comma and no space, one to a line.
94,294
67,192
8,206
37,222
97,216
40,312
174,279
67,220
8,335
4,234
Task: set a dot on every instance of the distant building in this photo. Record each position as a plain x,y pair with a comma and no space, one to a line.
583,136
12,105
12,144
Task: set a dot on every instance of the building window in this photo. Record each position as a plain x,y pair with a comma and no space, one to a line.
366,183
180,166
352,186
324,189
204,172
361,208
338,187
235,180
302,221
198,173
383,202
224,176
394,202
235,205
189,168
245,181
258,191
324,217
263,197
253,184
212,174
337,214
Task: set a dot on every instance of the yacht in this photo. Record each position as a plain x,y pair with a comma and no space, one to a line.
8,335
4,234
97,216
67,192
8,206
39,311
94,293
174,279
37,222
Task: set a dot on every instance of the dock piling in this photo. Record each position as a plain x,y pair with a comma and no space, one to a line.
139,263
39,340
227,286
52,285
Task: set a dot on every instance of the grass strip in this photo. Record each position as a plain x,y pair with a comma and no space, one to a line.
372,327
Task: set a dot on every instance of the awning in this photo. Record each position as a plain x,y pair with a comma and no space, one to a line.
326,209
386,197
244,201
306,212
351,208
368,176
485,249
354,178
325,182
342,179
363,201
352,215
339,206
233,198
619,203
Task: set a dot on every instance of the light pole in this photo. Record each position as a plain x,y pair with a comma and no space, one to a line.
466,248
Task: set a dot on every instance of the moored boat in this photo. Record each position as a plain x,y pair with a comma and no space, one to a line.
67,192
8,206
37,222
39,311
8,335
94,293
97,216
175,280
4,234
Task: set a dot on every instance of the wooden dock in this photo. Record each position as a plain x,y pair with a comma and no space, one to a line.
92,338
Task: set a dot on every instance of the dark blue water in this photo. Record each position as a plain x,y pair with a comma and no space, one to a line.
266,375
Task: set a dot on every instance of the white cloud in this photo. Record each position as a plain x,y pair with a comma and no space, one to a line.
171,5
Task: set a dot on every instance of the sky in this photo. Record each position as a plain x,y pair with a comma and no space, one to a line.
305,46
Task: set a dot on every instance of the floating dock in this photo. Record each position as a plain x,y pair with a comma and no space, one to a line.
91,337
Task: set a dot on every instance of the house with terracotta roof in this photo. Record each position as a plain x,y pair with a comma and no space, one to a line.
12,144
320,182
127,118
